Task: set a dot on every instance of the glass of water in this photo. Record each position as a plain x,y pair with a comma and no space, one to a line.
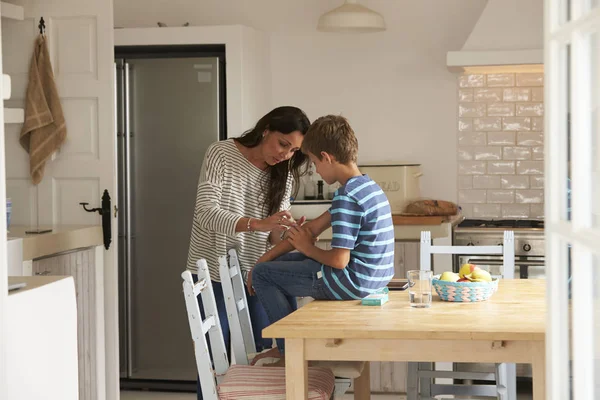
419,288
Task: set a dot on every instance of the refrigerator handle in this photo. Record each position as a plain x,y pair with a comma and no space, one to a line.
128,228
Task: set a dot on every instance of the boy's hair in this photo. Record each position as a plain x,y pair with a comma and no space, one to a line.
333,135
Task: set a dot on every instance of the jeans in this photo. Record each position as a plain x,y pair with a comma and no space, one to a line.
279,282
258,317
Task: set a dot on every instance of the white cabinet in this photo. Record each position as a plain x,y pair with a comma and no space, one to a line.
85,266
41,340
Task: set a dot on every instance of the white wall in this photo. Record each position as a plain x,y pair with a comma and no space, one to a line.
393,86
509,25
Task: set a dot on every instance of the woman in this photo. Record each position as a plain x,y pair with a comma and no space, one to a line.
243,201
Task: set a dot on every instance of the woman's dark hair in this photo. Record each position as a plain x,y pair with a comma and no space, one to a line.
286,120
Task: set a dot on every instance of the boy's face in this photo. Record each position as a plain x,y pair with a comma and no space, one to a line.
324,166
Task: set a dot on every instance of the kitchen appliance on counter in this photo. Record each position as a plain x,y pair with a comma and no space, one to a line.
529,245
529,260
170,108
400,182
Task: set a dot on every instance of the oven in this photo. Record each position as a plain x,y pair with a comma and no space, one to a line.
529,246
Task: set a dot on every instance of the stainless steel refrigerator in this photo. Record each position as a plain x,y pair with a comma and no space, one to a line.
170,108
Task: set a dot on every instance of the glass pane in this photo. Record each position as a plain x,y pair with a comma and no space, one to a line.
568,128
595,123
596,326
570,321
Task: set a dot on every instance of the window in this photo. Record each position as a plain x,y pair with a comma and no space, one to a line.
572,212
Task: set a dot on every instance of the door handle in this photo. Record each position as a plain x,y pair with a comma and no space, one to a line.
530,263
106,219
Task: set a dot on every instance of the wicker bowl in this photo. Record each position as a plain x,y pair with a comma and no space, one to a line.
465,292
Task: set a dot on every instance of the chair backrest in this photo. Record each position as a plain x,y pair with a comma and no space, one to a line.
236,304
507,249
199,327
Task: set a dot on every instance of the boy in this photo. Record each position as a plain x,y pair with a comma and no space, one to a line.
361,259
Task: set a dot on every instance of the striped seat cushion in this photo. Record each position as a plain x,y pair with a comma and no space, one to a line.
268,383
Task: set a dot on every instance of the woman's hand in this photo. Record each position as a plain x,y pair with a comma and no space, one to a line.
301,238
280,233
280,219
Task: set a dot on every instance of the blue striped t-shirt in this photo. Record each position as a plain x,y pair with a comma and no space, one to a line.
361,221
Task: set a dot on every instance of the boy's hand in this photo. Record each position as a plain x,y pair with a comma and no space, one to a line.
251,291
301,238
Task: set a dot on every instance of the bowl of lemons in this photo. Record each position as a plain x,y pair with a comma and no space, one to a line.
471,284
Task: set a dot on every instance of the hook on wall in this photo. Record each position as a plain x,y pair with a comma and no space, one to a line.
42,26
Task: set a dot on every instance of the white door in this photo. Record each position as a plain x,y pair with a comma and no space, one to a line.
80,39
573,214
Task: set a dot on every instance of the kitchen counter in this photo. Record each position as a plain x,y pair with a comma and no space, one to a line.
413,232
62,238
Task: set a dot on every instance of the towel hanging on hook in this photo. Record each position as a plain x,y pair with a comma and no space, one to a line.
42,26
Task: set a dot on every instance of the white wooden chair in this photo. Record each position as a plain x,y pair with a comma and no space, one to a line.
242,337
422,375
217,379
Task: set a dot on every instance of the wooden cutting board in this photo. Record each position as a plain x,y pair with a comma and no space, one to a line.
419,219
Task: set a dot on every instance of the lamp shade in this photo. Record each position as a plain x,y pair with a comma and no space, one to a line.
351,17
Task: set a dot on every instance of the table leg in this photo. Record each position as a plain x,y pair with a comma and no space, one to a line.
296,370
539,370
362,384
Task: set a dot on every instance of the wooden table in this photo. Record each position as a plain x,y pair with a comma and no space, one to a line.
509,327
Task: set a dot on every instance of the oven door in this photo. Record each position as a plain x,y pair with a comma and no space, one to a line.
525,267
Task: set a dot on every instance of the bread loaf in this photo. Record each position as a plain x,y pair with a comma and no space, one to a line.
431,207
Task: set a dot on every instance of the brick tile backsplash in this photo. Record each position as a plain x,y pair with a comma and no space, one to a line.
501,167
516,211
515,182
503,80
530,167
501,196
465,124
516,124
467,81
501,145
488,95
530,138
530,79
471,138
466,110
472,196
517,153
487,124
465,95
516,94
486,182
471,167
536,182
501,110
537,94
490,211
537,124
529,196
500,138
530,109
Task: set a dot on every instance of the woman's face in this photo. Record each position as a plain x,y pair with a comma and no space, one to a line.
278,147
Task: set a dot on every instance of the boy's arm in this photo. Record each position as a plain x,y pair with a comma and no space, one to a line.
315,227
335,258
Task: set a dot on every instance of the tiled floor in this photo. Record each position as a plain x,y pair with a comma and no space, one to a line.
141,395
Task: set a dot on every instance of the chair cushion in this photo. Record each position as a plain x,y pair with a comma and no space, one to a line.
341,369
268,383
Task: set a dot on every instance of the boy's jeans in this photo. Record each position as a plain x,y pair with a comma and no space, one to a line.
279,282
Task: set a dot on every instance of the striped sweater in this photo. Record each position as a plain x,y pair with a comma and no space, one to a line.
361,221
229,188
